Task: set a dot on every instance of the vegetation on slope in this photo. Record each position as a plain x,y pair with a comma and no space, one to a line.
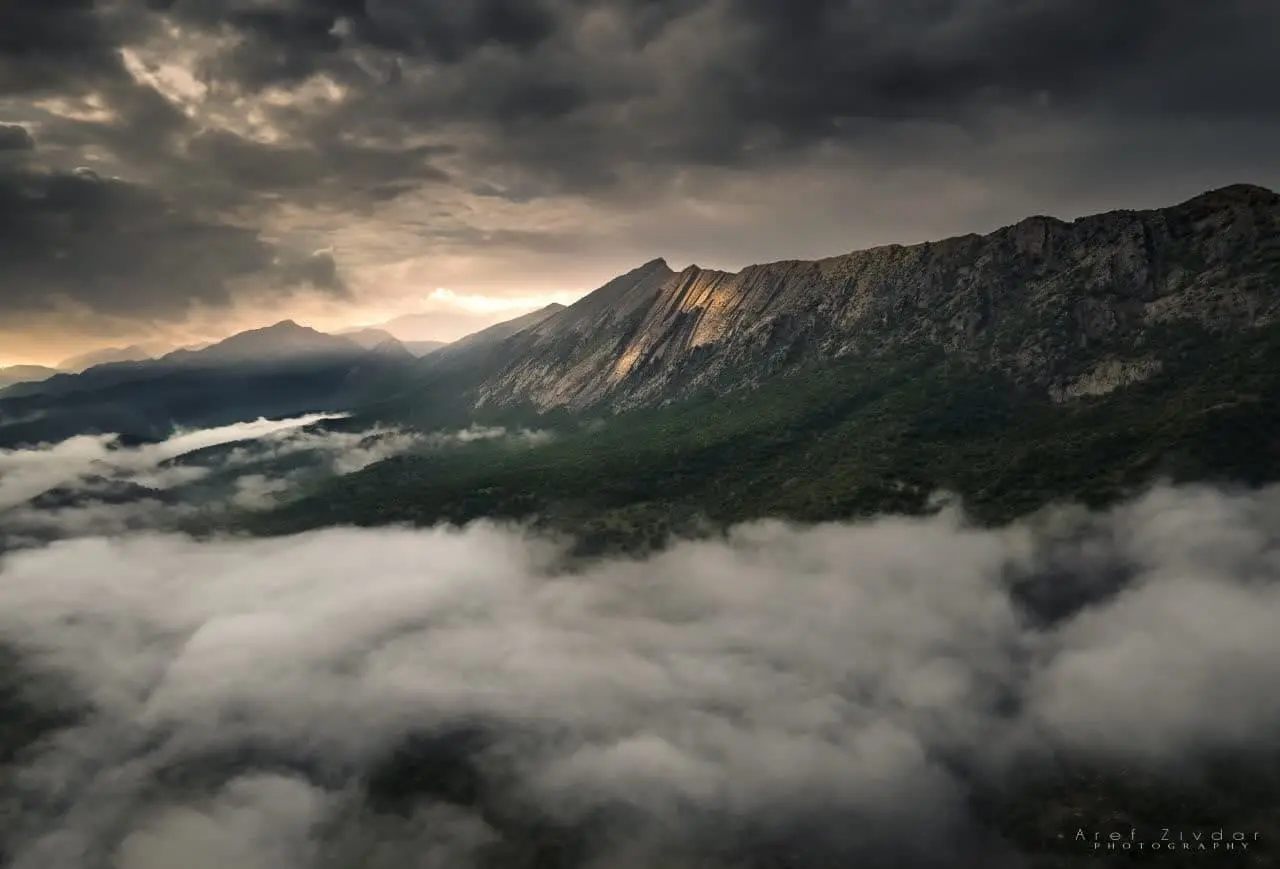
845,440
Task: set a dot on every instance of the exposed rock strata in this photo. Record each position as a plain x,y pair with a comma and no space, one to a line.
1070,309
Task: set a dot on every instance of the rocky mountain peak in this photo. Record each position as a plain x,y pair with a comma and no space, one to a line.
1235,194
282,340
392,349
1044,301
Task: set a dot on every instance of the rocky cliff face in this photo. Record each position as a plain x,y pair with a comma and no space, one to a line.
1068,309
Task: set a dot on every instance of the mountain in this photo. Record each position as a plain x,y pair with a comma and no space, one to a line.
501,331
442,389
422,348
391,348
367,338
281,344
1046,360
381,370
1063,309
1068,309
284,341
476,353
370,337
25,374
278,371
76,364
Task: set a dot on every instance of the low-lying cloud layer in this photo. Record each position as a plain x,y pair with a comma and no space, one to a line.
262,476
28,473
832,695
93,484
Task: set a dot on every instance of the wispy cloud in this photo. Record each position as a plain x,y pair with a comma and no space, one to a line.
92,485
447,697
263,483
27,473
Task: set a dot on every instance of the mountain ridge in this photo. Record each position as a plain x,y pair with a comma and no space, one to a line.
12,374
1062,307
277,371
499,332
283,369
106,355
279,341
367,337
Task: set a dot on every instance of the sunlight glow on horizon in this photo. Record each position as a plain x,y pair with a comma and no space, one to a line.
480,304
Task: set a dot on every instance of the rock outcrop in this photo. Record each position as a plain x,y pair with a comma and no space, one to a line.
1065,308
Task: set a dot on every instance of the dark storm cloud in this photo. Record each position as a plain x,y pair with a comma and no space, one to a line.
146,247
818,60
121,249
326,168
579,93
290,40
16,138
318,270
56,44
749,70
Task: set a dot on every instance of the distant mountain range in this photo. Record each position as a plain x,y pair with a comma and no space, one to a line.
25,374
285,341
365,337
409,328
399,330
370,337
422,348
132,353
280,370
507,328
35,373
429,327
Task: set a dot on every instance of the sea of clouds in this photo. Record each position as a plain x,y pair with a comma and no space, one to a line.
785,696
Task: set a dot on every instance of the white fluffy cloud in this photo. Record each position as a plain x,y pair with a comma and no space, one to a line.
817,688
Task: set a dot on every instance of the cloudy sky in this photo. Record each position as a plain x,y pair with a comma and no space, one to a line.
174,170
